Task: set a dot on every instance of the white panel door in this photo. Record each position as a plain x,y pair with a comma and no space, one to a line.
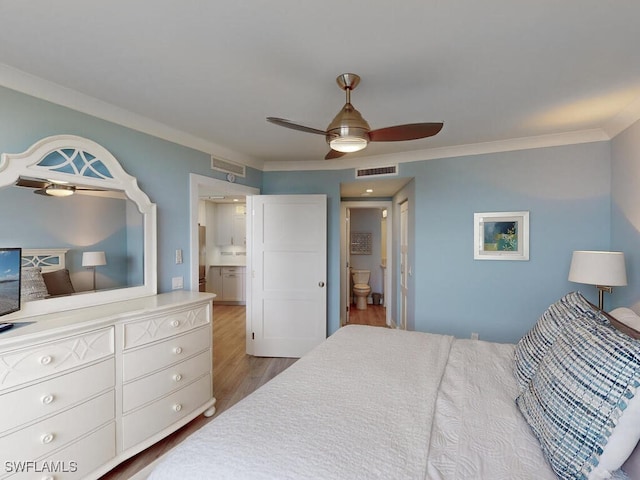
289,267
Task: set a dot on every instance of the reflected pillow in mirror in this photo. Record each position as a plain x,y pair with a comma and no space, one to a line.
32,286
58,282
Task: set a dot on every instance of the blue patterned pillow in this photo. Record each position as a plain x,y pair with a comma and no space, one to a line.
534,345
582,397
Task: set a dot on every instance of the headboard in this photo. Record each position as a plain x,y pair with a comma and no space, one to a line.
48,259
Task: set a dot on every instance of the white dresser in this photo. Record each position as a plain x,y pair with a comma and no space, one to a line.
83,390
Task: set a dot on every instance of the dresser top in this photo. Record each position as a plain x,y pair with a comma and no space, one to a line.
28,328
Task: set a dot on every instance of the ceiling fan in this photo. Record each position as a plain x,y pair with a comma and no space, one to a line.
51,188
348,132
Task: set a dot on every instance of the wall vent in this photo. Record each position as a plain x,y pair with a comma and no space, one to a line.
377,171
227,166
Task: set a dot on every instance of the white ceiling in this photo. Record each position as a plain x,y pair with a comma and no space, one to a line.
500,74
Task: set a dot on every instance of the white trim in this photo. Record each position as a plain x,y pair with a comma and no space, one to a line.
200,185
524,143
18,80
31,85
624,119
388,290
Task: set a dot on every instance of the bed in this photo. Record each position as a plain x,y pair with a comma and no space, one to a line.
381,403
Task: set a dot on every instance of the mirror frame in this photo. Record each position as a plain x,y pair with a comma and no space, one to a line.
13,166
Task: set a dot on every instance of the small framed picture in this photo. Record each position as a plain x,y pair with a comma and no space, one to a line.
501,236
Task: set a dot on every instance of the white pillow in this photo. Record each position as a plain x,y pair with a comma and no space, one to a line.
626,316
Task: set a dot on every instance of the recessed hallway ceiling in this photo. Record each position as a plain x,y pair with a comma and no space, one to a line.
492,71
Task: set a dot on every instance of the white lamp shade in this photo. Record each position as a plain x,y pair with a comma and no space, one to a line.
93,259
598,268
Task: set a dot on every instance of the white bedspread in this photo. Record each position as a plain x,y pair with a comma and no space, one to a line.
307,423
373,403
478,431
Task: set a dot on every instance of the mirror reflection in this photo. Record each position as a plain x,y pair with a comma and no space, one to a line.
102,231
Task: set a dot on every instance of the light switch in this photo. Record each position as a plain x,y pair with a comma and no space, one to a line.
178,256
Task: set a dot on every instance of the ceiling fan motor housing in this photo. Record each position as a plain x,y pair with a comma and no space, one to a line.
348,131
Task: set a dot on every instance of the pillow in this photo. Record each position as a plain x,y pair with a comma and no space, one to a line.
32,286
535,344
58,282
626,316
581,403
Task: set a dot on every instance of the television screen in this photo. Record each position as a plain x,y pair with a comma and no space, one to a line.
10,262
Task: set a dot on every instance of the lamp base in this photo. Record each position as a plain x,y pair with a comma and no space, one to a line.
601,290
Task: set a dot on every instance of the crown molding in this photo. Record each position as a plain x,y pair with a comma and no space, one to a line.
35,86
29,84
524,143
623,120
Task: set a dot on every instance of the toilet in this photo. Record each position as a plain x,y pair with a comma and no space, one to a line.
361,288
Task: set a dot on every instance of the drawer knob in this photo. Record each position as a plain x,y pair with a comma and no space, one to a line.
177,377
47,399
177,350
46,360
175,323
47,438
49,477
177,407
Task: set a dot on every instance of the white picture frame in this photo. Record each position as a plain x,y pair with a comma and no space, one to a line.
501,236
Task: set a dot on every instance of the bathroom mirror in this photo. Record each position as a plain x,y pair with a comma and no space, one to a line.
104,210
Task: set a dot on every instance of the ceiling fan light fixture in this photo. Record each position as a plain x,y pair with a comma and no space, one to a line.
348,144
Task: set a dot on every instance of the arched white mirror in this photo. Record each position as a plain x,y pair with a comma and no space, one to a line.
81,220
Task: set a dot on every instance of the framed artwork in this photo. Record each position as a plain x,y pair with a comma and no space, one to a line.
501,236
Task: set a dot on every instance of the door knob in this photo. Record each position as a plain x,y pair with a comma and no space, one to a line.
321,284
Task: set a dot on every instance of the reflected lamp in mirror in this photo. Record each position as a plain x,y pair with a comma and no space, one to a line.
602,269
93,260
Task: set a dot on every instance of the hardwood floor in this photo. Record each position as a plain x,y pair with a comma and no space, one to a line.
375,315
235,375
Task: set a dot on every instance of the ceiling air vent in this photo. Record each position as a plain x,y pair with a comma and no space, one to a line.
377,171
227,166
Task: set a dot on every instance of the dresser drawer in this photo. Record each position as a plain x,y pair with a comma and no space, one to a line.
149,388
158,327
142,424
55,432
55,394
74,462
39,361
142,361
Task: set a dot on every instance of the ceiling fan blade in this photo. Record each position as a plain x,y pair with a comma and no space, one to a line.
31,182
333,154
289,124
410,131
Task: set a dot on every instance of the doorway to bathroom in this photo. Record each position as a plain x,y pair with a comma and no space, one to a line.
365,252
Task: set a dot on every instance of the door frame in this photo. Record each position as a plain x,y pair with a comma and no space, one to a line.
199,186
344,278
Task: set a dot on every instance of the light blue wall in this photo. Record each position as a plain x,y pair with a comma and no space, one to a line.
161,167
625,212
565,189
